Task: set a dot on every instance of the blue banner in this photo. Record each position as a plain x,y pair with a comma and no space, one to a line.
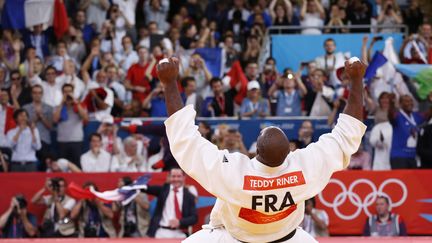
290,50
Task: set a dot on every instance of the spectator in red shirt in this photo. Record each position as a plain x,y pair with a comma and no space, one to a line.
6,121
140,74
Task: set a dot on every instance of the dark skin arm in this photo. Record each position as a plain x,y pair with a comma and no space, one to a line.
355,74
168,74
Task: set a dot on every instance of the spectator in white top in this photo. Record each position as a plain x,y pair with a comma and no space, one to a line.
69,77
315,221
312,15
157,10
331,61
120,92
129,160
126,56
96,159
24,141
381,140
57,61
96,11
99,98
51,92
390,15
108,130
127,7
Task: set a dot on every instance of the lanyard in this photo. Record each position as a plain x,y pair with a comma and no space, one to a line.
410,118
289,98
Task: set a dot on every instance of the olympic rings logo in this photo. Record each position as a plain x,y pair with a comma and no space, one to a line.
362,204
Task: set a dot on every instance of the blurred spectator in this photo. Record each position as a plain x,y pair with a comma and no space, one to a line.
87,30
230,53
359,13
423,146
108,130
237,26
4,82
413,16
129,160
94,218
316,221
95,12
39,39
389,15
175,209
189,37
254,105
25,141
384,223
157,10
51,91
41,115
281,13
99,98
10,49
288,90
4,161
319,95
134,217
381,140
96,159
199,71
54,165
126,56
312,15
94,59
7,121
61,55
405,124
360,160
233,142
305,133
258,16
239,5
69,77
269,76
294,145
17,222
331,61
189,94
337,18
155,102
381,112
20,91
222,103
252,71
140,75
56,221
205,130
253,49
69,117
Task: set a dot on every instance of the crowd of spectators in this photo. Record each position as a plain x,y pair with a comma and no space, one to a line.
103,69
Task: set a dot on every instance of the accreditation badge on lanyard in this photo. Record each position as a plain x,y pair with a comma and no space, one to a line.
412,139
289,99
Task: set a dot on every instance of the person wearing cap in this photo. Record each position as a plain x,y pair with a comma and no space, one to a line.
288,90
254,105
108,130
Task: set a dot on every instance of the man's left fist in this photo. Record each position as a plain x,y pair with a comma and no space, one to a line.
168,70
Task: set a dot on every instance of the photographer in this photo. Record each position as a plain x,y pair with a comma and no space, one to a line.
94,217
16,222
69,117
134,217
56,221
199,71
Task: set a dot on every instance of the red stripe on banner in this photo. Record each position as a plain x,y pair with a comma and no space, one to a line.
257,183
260,218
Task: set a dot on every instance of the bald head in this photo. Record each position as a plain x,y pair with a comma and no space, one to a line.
272,146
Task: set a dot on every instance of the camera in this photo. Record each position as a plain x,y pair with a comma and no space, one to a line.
129,228
22,202
69,98
55,184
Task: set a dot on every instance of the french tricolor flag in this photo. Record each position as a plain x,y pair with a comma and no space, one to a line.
21,14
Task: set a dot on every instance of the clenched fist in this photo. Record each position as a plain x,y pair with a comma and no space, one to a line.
168,71
355,71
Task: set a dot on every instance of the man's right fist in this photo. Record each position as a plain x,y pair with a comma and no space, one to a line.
355,71
168,71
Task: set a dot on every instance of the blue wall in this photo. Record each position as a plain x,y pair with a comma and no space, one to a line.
291,50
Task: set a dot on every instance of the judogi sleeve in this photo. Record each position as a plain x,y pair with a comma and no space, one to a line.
331,153
198,157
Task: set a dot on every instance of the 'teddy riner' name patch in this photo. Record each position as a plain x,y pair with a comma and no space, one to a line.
257,183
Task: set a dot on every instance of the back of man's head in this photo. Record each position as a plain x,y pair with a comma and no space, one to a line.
272,146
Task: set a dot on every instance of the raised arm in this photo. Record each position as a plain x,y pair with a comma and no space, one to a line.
168,73
355,72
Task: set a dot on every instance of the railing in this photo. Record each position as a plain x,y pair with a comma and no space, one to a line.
403,27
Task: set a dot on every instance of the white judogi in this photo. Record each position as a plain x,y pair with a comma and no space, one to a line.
257,203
